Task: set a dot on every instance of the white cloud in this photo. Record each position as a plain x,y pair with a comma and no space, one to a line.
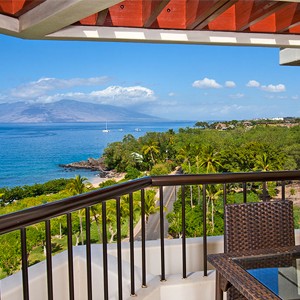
113,95
269,96
171,94
253,83
206,83
279,88
237,96
132,94
230,84
44,85
226,109
267,88
296,97
47,90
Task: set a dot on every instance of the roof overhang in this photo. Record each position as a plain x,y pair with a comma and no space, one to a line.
265,23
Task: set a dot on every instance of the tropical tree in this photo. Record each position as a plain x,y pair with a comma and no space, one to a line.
184,154
213,193
78,186
10,252
209,159
265,162
150,204
151,148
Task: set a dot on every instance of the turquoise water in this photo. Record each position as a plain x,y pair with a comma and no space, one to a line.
31,153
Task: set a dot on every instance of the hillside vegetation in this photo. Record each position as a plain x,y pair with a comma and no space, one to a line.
195,150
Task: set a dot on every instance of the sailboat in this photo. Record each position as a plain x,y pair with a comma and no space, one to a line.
105,130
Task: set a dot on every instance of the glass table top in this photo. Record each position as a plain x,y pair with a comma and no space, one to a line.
280,273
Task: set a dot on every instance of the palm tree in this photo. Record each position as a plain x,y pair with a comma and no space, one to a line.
212,194
209,159
184,154
150,204
198,171
265,162
111,219
77,187
151,148
96,213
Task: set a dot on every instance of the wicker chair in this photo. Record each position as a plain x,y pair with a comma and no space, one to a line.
261,225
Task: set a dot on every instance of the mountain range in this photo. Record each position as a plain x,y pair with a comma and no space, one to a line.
67,111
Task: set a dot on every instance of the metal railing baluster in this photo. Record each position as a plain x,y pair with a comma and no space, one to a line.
70,257
104,252
143,221
224,203
119,248
264,191
283,190
131,241
183,231
24,264
204,232
88,253
245,192
49,260
162,233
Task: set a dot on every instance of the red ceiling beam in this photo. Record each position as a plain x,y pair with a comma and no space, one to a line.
90,20
17,7
200,13
224,22
126,14
295,30
249,13
11,6
288,18
151,10
266,25
172,16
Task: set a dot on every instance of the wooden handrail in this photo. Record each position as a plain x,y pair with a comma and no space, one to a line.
47,211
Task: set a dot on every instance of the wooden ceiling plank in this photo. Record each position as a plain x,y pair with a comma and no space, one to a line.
172,16
266,25
128,13
198,11
260,11
295,29
219,8
11,7
54,15
153,10
288,18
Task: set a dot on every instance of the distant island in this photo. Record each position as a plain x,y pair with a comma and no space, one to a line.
68,111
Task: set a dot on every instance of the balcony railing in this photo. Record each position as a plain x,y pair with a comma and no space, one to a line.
21,220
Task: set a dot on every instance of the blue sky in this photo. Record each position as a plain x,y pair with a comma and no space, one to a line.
178,82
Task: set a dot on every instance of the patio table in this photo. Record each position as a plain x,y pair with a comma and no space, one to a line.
260,274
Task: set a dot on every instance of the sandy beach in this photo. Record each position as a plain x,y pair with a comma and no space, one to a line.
95,181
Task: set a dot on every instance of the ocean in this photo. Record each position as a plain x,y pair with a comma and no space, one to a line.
32,153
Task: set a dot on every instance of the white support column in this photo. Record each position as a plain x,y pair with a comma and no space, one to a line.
289,57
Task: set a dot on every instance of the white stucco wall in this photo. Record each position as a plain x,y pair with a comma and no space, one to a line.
196,286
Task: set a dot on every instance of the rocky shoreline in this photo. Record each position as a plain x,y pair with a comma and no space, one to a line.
93,164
